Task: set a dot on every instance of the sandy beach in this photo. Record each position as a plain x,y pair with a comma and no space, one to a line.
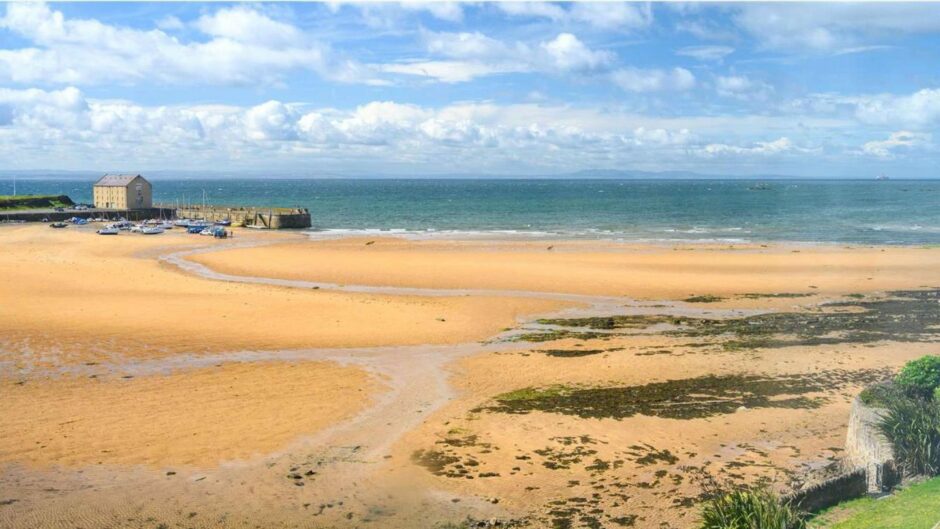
276,380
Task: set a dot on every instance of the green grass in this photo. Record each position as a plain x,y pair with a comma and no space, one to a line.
13,203
915,507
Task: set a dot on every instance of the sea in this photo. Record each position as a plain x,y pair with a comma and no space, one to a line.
900,212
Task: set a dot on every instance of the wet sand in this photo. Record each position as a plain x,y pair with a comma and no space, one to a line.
254,398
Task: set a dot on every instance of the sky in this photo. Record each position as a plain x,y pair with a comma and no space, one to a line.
521,88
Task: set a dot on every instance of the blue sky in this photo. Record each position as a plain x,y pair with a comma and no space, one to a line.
841,90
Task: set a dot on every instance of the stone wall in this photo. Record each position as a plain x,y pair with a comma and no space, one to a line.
866,448
830,492
253,217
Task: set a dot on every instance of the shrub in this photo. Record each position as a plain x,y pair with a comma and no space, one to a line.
920,376
912,425
880,394
754,508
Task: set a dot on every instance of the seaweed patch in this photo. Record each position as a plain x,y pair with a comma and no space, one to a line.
689,398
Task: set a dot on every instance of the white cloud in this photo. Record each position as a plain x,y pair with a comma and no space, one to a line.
452,71
921,108
833,26
570,54
706,53
471,55
613,15
170,23
272,120
601,15
644,136
552,11
65,126
781,145
450,11
742,87
244,47
901,140
653,80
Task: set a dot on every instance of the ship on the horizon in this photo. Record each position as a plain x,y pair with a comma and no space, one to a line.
882,176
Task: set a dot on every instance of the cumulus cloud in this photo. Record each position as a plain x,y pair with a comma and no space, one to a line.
901,140
74,126
653,80
244,46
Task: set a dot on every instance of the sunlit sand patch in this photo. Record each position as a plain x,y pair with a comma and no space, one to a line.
644,271
194,418
71,297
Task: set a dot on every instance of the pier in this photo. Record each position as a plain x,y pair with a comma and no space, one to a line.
249,216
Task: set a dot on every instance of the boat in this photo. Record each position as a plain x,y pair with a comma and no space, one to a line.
58,225
107,230
207,231
226,222
151,230
194,229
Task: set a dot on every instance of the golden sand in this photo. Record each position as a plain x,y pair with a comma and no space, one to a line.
85,297
600,268
71,298
195,418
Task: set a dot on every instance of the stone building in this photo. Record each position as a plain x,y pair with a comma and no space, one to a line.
123,191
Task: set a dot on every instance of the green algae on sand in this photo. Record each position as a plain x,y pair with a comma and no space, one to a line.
689,398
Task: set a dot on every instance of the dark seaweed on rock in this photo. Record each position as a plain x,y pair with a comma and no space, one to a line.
906,316
689,398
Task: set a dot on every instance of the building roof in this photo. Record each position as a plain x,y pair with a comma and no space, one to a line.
116,180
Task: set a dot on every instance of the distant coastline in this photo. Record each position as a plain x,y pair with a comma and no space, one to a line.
892,212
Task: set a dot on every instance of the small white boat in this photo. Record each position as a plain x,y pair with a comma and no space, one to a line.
108,230
165,225
151,230
207,231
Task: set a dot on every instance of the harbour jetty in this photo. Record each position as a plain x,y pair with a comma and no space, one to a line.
249,216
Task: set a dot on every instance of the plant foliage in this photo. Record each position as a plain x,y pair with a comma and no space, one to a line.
912,425
920,376
751,508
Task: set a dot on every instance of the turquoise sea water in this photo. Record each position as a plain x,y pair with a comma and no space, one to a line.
883,212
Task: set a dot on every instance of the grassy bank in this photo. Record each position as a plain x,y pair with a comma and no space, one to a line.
915,507
14,203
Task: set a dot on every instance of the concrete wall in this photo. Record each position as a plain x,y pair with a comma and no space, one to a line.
272,218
